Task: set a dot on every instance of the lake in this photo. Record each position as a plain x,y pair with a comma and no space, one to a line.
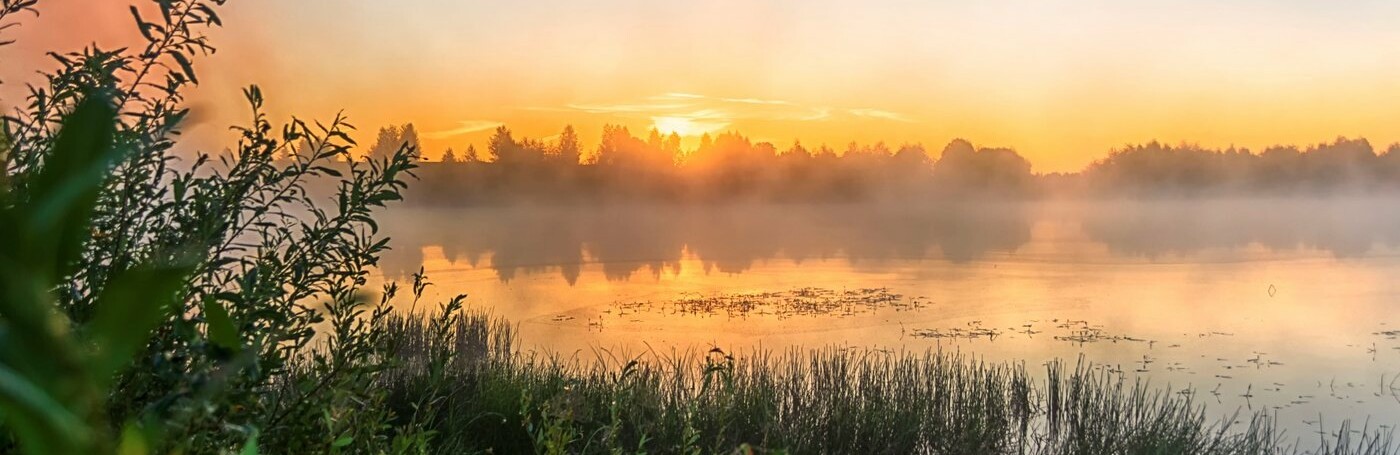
1282,304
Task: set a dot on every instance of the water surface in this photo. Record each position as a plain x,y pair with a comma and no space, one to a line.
1251,304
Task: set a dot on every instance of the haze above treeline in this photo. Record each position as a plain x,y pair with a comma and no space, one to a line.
731,167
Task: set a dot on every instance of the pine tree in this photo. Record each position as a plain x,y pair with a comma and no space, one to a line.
385,144
408,136
569,147
502,147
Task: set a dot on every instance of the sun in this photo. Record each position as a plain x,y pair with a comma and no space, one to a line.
685,126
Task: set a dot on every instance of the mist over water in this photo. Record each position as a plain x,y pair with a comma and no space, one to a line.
626,240
1285,303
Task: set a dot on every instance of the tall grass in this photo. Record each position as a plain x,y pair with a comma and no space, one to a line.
490,396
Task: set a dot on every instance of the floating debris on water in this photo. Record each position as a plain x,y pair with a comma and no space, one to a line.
974,330
807,301
1076,331
1081,332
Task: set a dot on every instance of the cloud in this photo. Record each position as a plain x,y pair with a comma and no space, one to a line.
464,127
688,126
757,101
625,108
880,114
818,114
675,95
707,112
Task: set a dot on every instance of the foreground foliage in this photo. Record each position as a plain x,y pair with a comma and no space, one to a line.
164,300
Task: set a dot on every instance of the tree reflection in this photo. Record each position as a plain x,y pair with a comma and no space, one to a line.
726,239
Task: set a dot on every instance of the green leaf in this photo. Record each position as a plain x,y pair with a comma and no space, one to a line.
185,66
209,13
250,447
133,442
342,442
37,419
142,25
222,331
133,304
65,190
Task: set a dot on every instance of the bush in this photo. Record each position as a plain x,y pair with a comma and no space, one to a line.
187,301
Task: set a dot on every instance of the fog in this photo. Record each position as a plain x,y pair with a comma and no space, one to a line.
639,240
638,207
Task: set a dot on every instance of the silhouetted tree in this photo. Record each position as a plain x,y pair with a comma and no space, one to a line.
907,167
1340,163
619,148
408,135
531,152
1278,167
391,138
385,143
730,166
796,152
304,151
654,138
962,167
502,148
911,156
672,146
569,147
449,156
1388,165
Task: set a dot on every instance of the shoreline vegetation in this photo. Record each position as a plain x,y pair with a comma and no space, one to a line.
495,398
159,301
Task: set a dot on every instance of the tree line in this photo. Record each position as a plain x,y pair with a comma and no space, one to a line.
1340,166
730,166
724,167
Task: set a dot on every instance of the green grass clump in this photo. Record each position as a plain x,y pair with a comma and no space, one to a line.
489,396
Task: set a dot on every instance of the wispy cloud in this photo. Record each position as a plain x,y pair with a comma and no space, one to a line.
758,101
675,95
818,114
880,114
688,126
463,127
701,112
625,108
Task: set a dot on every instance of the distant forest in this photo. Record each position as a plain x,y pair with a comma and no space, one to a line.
731,167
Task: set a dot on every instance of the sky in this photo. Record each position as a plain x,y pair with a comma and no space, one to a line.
1061,82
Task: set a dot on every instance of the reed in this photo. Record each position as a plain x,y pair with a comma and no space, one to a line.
494,397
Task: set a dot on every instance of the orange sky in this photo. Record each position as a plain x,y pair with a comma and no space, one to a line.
1061,82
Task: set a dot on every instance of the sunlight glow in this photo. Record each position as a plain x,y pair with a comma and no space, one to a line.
686,127
1062,82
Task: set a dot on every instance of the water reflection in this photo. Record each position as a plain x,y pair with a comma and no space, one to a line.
628,241
1340,227
730,239
1283,304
